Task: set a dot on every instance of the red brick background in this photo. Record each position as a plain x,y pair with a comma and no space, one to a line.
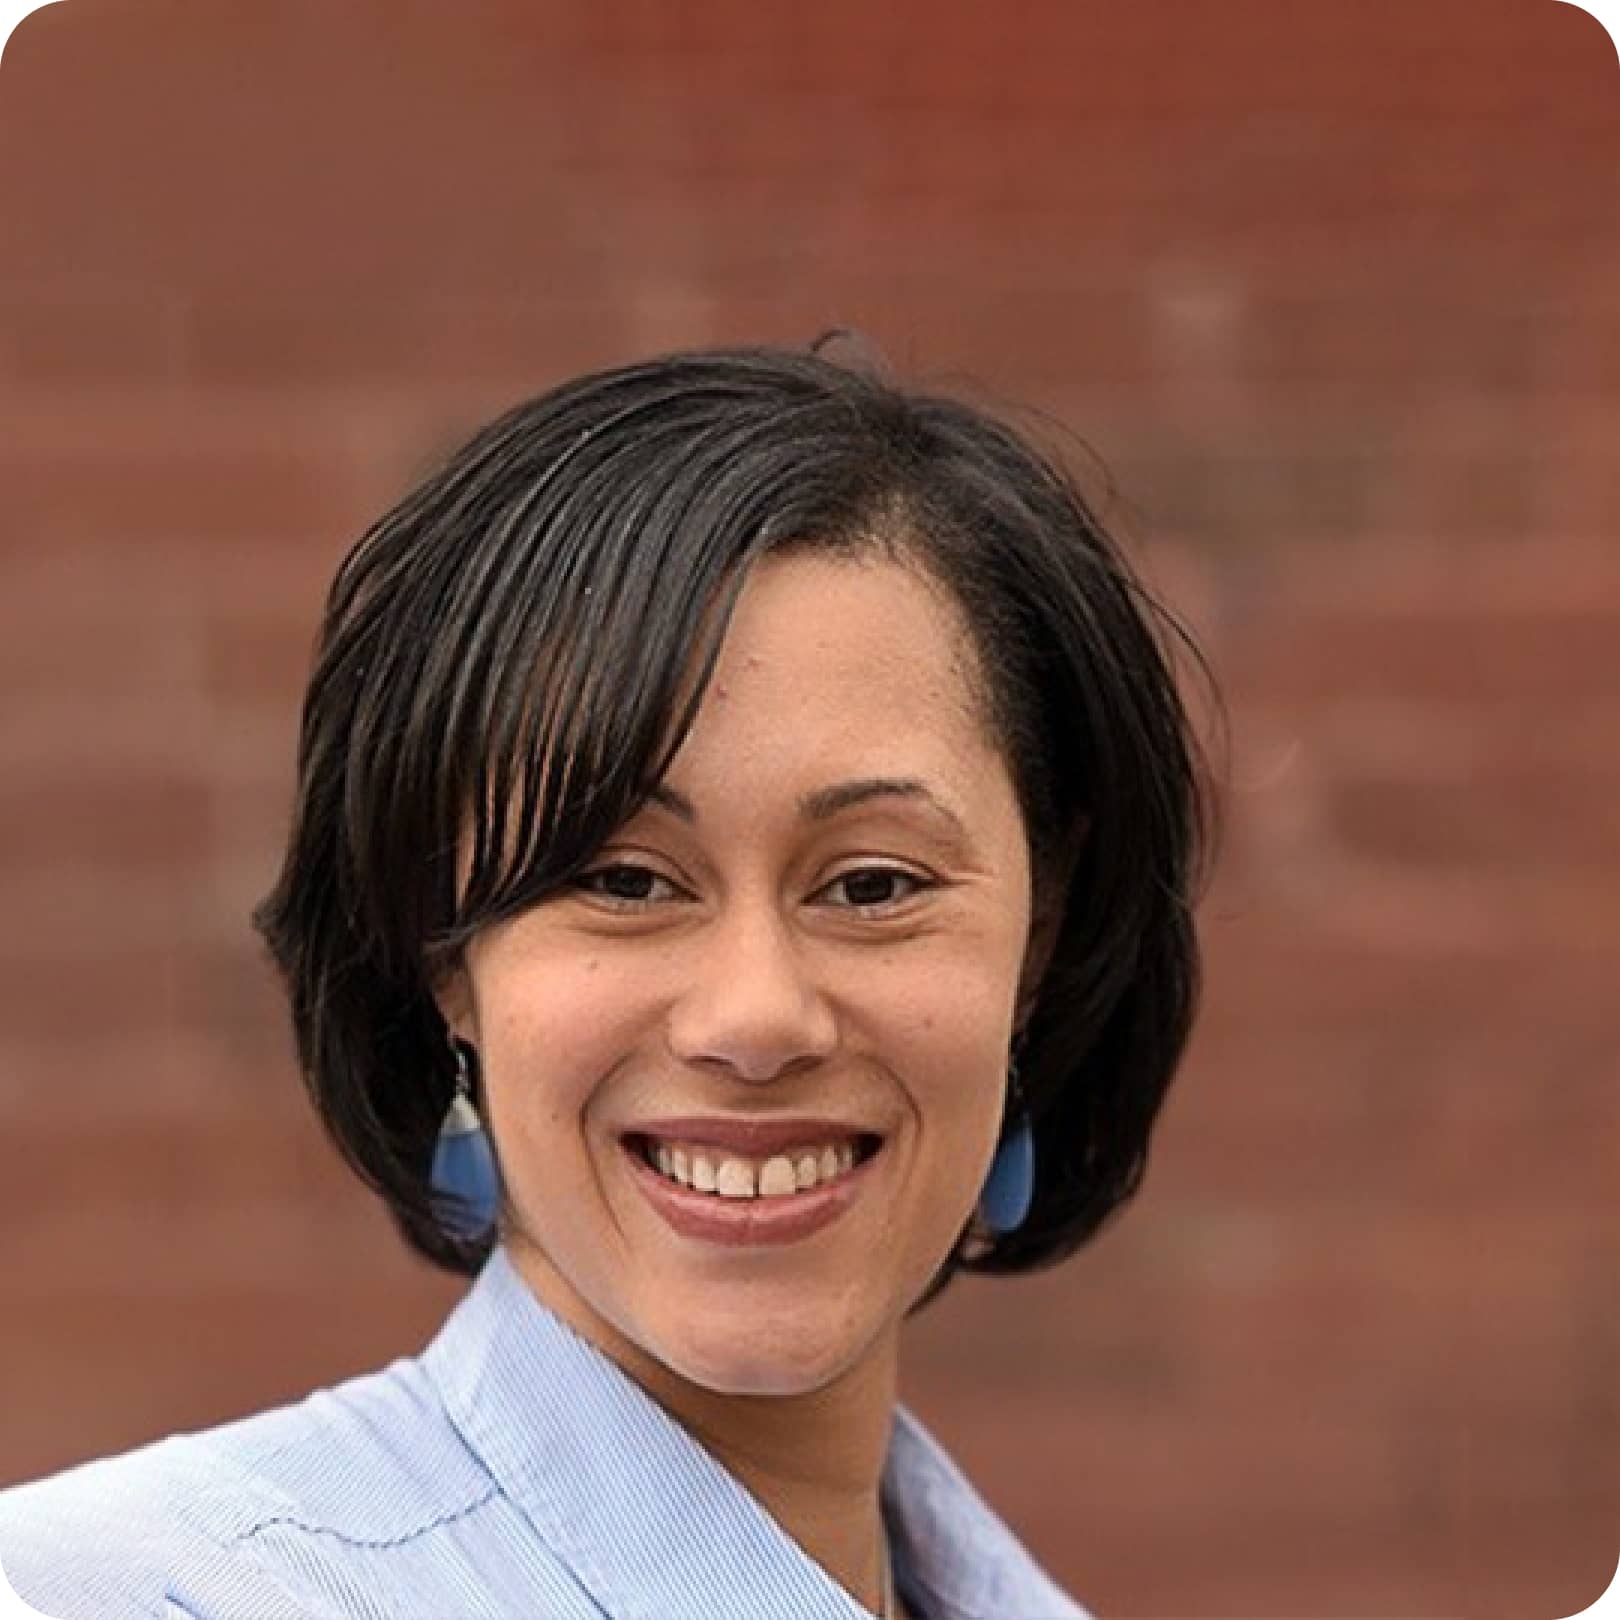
1330,287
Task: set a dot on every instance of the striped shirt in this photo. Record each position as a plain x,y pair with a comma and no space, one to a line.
511,1470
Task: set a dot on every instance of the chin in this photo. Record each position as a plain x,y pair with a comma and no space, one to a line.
730,1359
760,1380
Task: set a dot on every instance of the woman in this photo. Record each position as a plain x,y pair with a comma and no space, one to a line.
741,878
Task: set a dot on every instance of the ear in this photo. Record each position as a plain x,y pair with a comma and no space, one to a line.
1051,894
452,994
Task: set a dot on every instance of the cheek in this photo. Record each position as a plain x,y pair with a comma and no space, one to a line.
550,1030
946,1032
953,995
535,991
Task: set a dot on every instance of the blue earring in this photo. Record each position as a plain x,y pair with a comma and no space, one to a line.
1010,1186
464,1178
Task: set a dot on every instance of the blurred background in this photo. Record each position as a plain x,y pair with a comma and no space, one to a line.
1333,292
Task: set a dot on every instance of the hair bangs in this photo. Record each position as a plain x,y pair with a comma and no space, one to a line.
579,697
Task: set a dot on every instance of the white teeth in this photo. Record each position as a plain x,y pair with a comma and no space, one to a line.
776,1176
735,1179
708,1170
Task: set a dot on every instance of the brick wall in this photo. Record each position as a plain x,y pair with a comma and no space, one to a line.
1332,291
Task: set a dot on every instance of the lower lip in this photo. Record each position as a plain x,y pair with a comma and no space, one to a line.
743,1222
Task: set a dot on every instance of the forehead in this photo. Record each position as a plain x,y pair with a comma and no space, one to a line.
839,665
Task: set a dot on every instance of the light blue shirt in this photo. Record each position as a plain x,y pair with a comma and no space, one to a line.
509,1472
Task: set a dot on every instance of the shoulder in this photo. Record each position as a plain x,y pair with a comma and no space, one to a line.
97,1540
200,1525
953,1546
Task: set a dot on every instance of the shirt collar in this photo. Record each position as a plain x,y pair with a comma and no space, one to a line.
652,1524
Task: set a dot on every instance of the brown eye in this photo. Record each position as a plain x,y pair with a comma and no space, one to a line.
873,886
621,883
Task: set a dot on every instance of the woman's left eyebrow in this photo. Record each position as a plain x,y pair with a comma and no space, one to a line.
821,804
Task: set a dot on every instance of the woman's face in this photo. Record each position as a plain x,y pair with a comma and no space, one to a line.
772,944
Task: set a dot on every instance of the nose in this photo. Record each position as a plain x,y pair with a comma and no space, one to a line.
750,1002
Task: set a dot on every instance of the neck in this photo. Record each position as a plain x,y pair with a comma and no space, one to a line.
814,1461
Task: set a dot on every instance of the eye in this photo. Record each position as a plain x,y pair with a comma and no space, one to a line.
870,887
622,884
626,886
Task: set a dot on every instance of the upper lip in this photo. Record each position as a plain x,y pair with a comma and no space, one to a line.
753,1137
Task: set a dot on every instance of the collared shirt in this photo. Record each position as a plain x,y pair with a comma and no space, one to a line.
512,1471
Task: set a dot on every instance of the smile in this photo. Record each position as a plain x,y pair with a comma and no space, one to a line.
749,1216
726,1174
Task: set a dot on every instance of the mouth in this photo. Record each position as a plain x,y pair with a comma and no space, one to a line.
725,1176
732,1202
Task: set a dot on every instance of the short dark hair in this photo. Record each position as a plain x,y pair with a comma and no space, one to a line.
510,653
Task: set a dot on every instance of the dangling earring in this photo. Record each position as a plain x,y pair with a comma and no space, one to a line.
464,1176
1010,1185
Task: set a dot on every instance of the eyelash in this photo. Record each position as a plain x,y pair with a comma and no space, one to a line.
623,903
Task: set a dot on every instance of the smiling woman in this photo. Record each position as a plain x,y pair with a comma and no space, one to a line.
742,877
800,965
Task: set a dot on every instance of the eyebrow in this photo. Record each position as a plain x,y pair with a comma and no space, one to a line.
824,803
